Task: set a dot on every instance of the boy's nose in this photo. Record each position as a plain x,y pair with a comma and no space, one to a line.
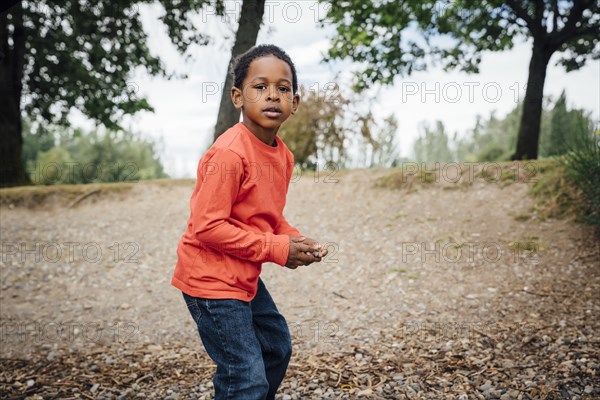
272,94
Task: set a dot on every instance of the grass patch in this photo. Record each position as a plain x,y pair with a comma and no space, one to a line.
32,196
36,195
556,196
529,246
170,182
455,176
399,179
522,217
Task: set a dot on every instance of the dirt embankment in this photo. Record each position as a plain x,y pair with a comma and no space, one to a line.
431,291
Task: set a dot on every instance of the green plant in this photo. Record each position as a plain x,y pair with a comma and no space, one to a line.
556,195
582,164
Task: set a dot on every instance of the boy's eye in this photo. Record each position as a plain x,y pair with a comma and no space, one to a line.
260,87
284,89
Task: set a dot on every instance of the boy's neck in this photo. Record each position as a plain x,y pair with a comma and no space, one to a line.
267,136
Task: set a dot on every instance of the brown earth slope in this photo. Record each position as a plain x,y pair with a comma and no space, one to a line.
429,293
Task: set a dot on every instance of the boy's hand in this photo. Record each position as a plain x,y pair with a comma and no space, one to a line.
321,250
301,253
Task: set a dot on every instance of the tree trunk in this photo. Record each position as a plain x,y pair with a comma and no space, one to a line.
529,130
247,32
12,171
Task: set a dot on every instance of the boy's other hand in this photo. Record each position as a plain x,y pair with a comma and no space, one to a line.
301,252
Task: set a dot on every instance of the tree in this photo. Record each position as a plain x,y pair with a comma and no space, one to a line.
329,125
392,38
55,56
385,153
433,144
317,128
494,138
247,32
74,156
567,128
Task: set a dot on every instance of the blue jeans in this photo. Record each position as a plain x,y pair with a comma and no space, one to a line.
249,342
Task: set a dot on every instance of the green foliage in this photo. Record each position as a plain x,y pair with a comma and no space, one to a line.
433,145
328,124
556,196
567,129
81,54
385,146
494,139
34,143
409,181
568,185
491,140
317,125
582,163
52,166
391,38
78,157
529,246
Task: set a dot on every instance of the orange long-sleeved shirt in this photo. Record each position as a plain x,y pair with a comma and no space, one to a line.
236,217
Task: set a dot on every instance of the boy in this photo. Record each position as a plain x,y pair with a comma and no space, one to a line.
236,223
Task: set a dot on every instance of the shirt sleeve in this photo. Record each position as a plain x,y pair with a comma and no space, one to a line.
219,180
283,227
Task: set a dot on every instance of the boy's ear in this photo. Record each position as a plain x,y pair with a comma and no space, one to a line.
236,97
295,103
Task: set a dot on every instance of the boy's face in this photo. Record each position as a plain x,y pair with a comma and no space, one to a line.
266,97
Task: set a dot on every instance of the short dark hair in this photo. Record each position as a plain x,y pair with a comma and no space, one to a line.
239,69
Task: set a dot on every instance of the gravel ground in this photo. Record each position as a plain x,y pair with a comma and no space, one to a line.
434,292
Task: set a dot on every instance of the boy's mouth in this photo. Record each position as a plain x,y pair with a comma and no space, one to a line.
272,112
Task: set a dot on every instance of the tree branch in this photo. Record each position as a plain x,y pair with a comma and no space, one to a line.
585,31
3,36
522,13
556,39
18,52
539,14
516,21
555,16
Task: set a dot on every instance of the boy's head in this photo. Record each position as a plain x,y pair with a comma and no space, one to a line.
240,66
265,87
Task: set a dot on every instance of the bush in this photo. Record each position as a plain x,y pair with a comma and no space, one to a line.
63,155
582,164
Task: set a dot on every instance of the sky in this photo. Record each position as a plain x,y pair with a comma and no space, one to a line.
186,109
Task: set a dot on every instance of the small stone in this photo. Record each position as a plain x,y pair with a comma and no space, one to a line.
30,382
155,347
95,387
588,389
51,356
